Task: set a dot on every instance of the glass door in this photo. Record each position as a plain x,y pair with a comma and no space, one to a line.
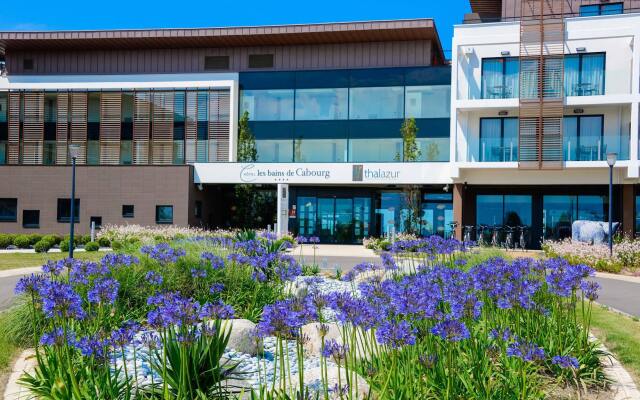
306,216
326,219
437,214
344,220
361,218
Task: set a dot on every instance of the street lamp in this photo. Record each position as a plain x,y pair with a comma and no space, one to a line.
611,160
74,151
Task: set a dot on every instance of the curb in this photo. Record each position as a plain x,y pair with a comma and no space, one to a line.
19,271
616,277
25,362
622,385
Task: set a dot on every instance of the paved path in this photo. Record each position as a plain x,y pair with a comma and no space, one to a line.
621,293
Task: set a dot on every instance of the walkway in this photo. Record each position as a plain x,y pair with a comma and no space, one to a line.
620,292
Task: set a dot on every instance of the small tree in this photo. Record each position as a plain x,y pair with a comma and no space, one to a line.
411,153
247,151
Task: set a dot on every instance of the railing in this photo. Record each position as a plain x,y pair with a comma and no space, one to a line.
473,18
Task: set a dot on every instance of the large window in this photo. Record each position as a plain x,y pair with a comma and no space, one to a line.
592,10
498,139
274,150
322,104
4,128
559,213
375,149
268,105
8,210
320,150
584,74
428,101
504,210
164,214
93,128
500,78
437,214
376,102
638,215
583,138
64,210
31,219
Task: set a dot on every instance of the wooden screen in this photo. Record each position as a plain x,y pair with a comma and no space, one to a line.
219,126
62,129
541,105
110,123
79,124
13,143
33,128
191,126
141,121
162,128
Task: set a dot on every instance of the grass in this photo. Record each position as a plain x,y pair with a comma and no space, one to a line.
621,335
23,260
8,349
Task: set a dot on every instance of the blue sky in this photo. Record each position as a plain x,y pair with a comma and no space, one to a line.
118,14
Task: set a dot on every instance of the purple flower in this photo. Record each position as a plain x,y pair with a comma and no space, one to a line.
154,278
151,340
333,349
314,239
301,240
396,334
60,300
163,253
284,318
505,335
30,284
216,262
525,351
57,337
56,267
113,260
103,291
93,346
590,290
566,362
216,288
198,273
125,334
217,310
451,330
173,309
81,272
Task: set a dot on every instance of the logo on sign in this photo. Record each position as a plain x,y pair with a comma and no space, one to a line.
358,173
248,173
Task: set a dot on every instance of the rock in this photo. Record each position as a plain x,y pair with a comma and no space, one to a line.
313,346
242,338
377,275
592,232
313,380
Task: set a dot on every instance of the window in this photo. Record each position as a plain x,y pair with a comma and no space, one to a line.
212,63
320,150
375,149
8,210
427,101
268,105
274,150
31,218
93,128
4,127
637,215
583,138
376,102
498,139
500,78
127,211
197,211
322,104
27,64
584,74
97,221
260,60
64,210
601,9
164,214
561,211
504,210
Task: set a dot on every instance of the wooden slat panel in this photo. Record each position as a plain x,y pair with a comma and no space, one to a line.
110,125
191,126
162,135
141,121
62,129
79,124
219,103
33,128
13,145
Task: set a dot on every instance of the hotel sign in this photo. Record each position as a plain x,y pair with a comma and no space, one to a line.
322,173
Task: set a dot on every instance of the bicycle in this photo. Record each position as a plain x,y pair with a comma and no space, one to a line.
480,233
468,231
452,233
523,239
495,236
509,236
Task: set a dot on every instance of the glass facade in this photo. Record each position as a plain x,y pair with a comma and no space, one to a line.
560,211
498,139
504,210
593,10
638,215
584,74
500,78
437,214
584,138
346,115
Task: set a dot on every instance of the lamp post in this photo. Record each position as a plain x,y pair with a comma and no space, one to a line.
74,151
611,160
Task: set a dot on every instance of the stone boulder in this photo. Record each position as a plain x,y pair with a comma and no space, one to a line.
242,338
313,381
592,232
313,344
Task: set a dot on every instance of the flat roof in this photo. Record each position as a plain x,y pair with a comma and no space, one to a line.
270,35
487,7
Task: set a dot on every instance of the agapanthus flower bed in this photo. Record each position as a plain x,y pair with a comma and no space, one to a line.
626,254
160,322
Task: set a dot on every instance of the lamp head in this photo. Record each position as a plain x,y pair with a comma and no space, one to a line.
74,150
612,158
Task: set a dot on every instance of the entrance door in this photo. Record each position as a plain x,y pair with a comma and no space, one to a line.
361,218
344,220
306,216
326,227
437,214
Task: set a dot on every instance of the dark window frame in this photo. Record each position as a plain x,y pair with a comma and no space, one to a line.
163,222
126,214
261,61
15,211
66,219
197,212
34,225
217,63
95,218
502,119
600,7
28,64
580,62
504,73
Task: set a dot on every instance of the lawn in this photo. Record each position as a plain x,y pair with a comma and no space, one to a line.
22,260
621,335
7,347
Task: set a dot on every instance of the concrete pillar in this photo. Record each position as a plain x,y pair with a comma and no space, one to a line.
282,225
628,210
458,205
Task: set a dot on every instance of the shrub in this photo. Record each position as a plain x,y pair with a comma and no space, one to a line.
53,239
104,242
92,246
42,246
64,245
116,245
34,238
6,240
83,239
22,241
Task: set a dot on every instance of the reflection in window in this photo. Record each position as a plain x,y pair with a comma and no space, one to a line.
393,216
320,150
593,10
93,128
561,211
428,101
638,215
93,152
49,152
498,139
583,138
375,150
268,105
376,102
437,214
64,210
321,104
4,128
164,214
274,150
500,78
504,210
584,74
434,149
126,152
8,210
306,216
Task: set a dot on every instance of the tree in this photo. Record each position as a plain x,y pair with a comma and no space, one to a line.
411,153
247,151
